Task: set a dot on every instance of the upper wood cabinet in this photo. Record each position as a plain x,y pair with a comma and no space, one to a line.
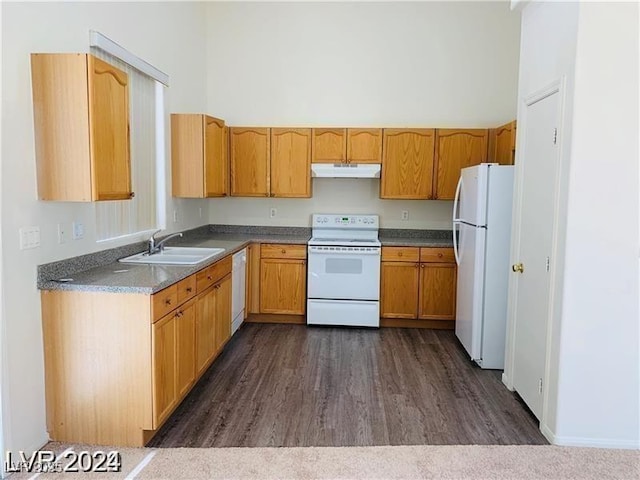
270,162
199,160
249,156
364,145
81,123
457,149
407,164
347,145
502,144
290,162
329,145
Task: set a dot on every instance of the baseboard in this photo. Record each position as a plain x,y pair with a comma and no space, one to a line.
412,323
507,382
276,318
588,442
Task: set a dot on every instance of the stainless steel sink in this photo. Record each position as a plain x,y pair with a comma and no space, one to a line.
175,256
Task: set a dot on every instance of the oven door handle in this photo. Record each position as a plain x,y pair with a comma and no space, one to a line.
339,252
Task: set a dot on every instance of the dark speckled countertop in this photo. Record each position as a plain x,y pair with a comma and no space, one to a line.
101,272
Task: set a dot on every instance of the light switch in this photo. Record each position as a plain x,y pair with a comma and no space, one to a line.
29,237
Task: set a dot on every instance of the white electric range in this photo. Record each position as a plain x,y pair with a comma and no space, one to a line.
343,285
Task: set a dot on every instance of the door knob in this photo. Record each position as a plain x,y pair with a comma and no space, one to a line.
517,267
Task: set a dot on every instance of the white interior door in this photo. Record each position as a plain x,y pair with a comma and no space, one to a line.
539,164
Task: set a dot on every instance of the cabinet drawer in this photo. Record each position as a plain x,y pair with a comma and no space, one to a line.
437,255
400,254
273,250
210,275
186,289
164,301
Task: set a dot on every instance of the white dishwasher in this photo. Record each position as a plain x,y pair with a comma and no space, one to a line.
238,289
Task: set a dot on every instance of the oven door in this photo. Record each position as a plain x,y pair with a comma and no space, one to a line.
341,273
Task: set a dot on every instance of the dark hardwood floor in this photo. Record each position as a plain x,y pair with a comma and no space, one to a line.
292,385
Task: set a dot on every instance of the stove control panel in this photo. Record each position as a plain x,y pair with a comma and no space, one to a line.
369,222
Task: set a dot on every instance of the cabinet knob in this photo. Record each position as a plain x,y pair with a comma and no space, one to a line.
132,194
518,267
209,277
399,254
283,251
417,265
167,301
422,265
189,289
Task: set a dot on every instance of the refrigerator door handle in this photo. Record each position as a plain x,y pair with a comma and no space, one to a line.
456,200
455,220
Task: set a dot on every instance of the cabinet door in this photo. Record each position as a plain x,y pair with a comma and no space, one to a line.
455,150
329,145
282,286
505,144
223,313
253,279
164,368
185,348
407,164
399,289
364,145
109,127
249,150
291,162
205,329
437,291
216,162
187,146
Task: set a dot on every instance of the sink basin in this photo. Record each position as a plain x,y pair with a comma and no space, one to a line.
174,256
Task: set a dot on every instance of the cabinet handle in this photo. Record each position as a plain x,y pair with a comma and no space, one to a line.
167,301
189,289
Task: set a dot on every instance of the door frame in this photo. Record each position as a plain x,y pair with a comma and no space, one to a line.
554,311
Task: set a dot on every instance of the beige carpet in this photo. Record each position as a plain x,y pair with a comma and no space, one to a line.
406,462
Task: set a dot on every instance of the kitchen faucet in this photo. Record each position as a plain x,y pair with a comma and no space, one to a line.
154,247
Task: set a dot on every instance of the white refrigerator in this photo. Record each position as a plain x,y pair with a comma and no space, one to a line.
482,218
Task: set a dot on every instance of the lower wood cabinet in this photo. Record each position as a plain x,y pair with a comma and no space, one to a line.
283,279
418,283
134,356
173,344
213,322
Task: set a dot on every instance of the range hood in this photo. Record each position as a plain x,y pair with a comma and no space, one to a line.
345,170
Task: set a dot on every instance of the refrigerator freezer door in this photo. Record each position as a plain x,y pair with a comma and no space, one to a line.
473,195
469,299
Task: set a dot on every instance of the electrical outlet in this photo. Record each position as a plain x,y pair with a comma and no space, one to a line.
29,237
62,233
77,230
175,216
273,212
405,215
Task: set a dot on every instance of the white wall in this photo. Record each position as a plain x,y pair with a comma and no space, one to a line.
431,64
547,54
593,376
168,35
599,368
